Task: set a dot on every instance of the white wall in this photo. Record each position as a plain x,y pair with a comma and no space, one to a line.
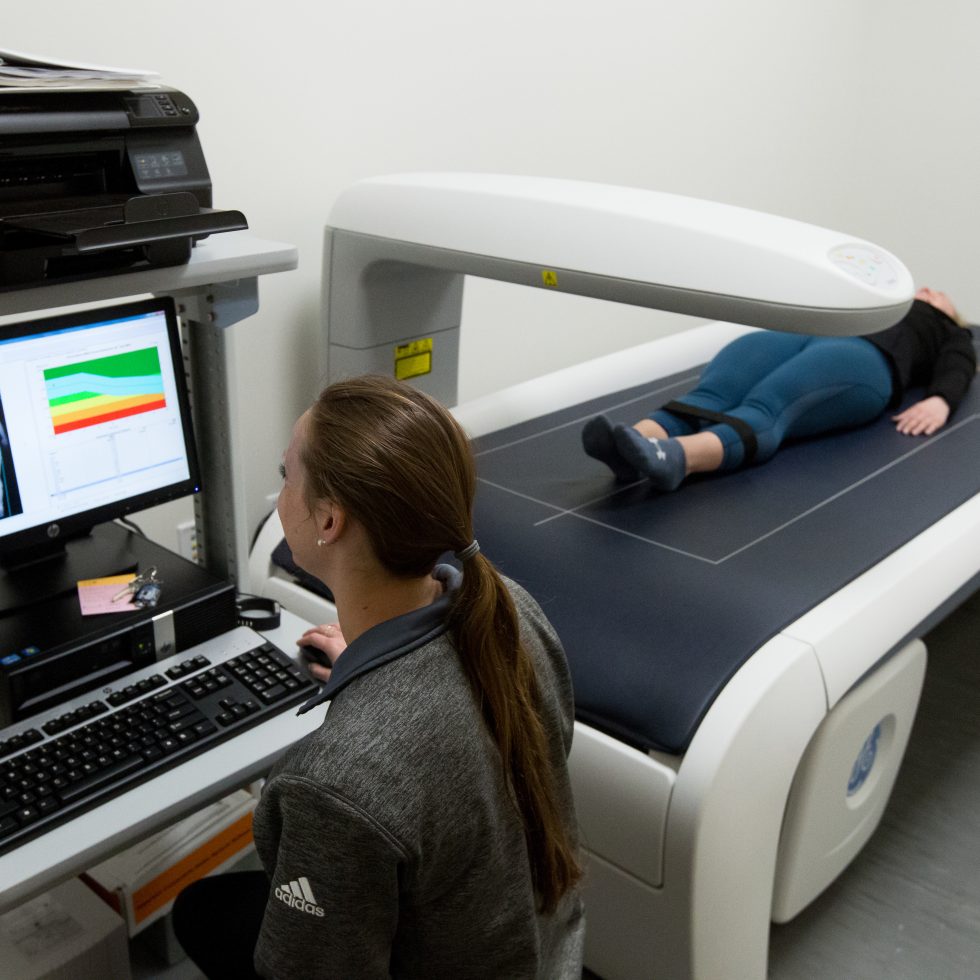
855,116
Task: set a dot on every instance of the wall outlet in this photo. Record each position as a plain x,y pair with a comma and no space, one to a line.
187,540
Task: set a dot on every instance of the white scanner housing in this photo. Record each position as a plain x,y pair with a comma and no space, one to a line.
397,248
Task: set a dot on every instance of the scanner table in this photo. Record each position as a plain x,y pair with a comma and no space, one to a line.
696,580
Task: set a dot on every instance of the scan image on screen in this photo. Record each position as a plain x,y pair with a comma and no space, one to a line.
9,494
105,388
93,408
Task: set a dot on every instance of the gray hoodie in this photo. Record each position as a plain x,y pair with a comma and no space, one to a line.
388,834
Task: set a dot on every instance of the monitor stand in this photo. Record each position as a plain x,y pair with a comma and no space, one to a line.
106,551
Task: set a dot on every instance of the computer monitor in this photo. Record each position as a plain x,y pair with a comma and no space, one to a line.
94,425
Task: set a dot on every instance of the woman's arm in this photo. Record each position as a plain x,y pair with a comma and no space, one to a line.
320,646
333,902
923,418
954,368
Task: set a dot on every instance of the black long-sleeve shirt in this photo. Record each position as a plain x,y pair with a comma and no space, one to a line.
928,349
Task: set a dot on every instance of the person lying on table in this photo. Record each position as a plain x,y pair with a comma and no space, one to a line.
767,387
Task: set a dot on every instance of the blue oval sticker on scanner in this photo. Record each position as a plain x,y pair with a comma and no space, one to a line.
865,761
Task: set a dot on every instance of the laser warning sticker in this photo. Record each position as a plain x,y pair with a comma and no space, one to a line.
413,359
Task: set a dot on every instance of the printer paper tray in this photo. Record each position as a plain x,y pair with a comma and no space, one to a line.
99,229
105,238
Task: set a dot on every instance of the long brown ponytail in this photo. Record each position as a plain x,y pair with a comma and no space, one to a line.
394,458
502,675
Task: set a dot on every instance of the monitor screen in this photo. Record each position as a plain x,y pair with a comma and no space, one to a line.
94,422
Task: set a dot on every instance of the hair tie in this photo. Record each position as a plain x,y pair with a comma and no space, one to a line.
468,552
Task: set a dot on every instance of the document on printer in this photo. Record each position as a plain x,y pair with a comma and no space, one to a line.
19,70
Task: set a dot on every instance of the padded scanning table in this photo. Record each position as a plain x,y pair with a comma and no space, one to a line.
660,598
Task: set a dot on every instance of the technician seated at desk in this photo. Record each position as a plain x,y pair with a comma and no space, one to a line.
394,842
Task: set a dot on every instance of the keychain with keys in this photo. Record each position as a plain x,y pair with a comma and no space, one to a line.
144,589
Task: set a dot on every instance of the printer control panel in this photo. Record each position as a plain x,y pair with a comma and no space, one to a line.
165,108
155,166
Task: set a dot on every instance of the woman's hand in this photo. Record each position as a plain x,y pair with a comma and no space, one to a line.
329,641
923,418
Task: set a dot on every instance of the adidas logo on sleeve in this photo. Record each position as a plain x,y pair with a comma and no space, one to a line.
298,895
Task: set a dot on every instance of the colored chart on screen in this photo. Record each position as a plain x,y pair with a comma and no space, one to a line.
105,388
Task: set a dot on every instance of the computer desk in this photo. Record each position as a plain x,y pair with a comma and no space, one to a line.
99,833
217,288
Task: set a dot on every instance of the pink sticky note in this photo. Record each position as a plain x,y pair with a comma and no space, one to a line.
95,595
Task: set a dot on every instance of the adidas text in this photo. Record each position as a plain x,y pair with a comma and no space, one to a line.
295,902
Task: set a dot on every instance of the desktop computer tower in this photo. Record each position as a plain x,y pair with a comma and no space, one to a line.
51,653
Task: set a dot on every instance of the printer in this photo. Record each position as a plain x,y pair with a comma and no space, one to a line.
100,182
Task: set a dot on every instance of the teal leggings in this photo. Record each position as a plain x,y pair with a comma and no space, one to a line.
786,386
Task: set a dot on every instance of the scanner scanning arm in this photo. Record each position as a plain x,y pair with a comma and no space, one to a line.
397,248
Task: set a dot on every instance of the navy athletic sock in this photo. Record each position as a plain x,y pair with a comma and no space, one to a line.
598,442
662,461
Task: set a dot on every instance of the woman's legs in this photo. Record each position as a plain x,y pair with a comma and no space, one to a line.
800,386
833,383
665,462
729,376
217,922
733,372
598,442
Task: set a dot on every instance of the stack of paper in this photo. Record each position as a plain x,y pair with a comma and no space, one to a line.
25,71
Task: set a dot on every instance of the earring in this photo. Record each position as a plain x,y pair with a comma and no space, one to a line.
320,542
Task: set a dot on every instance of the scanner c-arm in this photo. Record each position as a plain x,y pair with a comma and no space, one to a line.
397,248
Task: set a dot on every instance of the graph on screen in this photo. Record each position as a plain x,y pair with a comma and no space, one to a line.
99,390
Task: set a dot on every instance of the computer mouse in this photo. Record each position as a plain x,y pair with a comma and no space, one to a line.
315,655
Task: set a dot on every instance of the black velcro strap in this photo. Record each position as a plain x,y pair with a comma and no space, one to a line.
743,429
259,613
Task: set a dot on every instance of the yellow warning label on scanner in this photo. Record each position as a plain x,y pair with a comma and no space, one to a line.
413,359
549,277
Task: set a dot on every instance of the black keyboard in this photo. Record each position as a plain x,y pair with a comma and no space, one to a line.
79,759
